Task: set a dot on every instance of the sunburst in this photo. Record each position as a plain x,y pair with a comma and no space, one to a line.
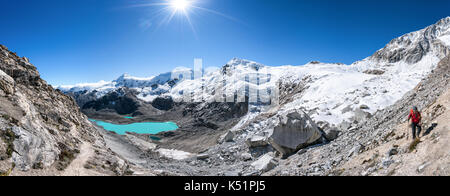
171,8
180,5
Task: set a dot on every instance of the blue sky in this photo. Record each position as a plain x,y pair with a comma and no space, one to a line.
76,41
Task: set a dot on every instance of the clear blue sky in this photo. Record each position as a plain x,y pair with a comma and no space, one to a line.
74,41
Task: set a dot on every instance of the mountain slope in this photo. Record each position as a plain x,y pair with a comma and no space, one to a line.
431,155
381,145
41,129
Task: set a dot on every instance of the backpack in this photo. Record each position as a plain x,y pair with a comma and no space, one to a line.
415,117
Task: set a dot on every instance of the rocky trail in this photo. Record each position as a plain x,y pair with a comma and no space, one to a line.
430,155
77,166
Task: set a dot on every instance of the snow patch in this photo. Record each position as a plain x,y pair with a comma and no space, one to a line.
174,154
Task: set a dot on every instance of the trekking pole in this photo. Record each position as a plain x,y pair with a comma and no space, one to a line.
408,126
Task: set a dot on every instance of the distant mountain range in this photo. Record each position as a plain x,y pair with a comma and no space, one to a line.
330,93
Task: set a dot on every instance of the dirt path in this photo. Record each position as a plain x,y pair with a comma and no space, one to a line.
76,168
430,157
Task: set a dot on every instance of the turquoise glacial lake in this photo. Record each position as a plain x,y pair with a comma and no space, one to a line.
140,128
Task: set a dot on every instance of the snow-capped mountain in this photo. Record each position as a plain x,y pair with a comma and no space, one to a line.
339,92
413,47
148,88
330,93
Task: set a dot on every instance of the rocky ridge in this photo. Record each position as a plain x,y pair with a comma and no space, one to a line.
42,130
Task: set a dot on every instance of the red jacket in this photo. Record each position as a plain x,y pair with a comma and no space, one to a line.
416,117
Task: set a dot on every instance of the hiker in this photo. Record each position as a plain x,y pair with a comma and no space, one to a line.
416,118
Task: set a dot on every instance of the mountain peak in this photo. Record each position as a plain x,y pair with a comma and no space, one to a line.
445,20
245,63
125,75
237,61
412,47
443,24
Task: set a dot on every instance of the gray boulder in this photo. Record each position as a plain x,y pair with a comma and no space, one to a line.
246,156
361,115
294,131
202,156
364,107
374,72
265,163
345,126
331,134
357,149
256,141
228,137
347,109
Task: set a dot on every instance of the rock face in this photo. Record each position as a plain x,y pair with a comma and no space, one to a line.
295,130
413,47
83,97
163,103
40,127
6,83
121,100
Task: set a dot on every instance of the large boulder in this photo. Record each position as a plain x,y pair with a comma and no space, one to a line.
294,131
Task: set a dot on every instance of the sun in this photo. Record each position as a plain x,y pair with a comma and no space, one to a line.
180,5
170,9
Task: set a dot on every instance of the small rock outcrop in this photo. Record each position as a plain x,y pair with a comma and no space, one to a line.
374,72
